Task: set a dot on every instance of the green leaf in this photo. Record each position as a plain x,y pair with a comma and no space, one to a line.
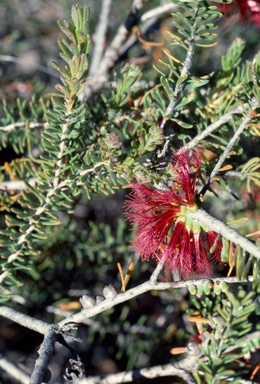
182,123
181,80
185,100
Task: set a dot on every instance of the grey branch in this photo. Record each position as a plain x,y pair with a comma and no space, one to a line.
121,43
246,120
24,320
38,67
174,99
51,331
229,233
99,36
13,371
237,174
134,292
17,185
45,354
30,322
212,127
181,369
100,76
185,70
42,326
68,323
148,19
157,271
148,373
248,338
20,185
22,124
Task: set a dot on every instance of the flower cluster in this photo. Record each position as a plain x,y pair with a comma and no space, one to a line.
249,10
163,228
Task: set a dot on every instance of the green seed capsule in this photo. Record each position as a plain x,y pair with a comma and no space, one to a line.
200,291
206,290
192,289
223,286
217,289
209,284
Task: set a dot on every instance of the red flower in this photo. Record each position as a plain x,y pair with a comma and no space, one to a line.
163,227
249,10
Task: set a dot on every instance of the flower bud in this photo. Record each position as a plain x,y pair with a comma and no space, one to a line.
224,286
192,289
207,287
99,298
87,301
217,289
109,291
200,291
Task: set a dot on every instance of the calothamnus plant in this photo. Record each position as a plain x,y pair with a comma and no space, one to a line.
182,145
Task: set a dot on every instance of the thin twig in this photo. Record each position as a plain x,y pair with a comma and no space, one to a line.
148,19
38,67
229,233
157,270
185,70
145,373
181,369
13,371
100,36
24,320
21,124
246,120
56,184
30,322
51,331
122,42
45,354
42,326
178,88
112,52
248,338
237,174
133,39
212,127
20,185
137,291
17,185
